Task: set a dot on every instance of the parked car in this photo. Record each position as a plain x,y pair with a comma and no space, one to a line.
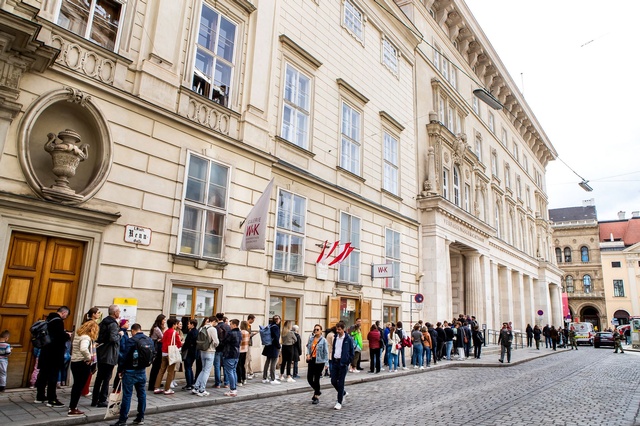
603,338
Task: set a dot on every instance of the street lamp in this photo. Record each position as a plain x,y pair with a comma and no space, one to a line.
585,185
485,96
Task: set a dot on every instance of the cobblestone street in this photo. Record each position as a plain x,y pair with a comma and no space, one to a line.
584,387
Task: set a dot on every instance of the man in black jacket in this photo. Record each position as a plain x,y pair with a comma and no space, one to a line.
441,338
230,355
108,348
341,357
51,359
132,369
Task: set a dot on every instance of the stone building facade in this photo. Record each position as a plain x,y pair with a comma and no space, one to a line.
166,120
576,240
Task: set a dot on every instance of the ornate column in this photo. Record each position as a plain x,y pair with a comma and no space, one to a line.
473,284
519,316
497,304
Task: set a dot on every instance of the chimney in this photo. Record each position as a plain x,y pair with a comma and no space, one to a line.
635,215
589,202
621,214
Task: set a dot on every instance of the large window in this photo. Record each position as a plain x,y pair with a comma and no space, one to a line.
497,221
586,283
286,307
478,146
567,255
491,122
353,20
569,283
204,208
618,288
96,20
349,270
192,302
290,233
390,164
456,186
390,56
392,254
467,197
558,255
494,163
296,107
351,128
390,314
445,183
215,54
584,253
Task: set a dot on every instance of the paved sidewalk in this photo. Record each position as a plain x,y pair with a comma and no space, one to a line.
17,406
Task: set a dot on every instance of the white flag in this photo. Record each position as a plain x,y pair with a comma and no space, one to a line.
255,225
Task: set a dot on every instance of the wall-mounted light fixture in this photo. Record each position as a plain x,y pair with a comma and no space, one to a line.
585,185
485,96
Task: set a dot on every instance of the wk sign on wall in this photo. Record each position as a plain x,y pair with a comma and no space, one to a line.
383,270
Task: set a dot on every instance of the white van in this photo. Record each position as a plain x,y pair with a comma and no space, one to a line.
584,332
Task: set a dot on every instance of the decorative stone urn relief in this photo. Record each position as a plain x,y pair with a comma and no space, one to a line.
63,172
65,155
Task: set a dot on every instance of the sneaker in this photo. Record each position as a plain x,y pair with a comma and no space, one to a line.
290,380
173,384
38,401
158,391
75,412
501,361
88,395
422,368
138,421
55,404
404,368
346,394
250,376
231,393
119,423
195,391
315,401
337,406
265,380
275,382
169,392
203,393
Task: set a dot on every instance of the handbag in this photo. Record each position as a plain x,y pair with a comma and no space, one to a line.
114,402
94,358
174,352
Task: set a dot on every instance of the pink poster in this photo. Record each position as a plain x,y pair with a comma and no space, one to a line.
565,306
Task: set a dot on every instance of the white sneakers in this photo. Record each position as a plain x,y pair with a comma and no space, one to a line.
422,368
290,380
275,382
404,368
337,406
265,381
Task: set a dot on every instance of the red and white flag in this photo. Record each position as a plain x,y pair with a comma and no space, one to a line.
255,225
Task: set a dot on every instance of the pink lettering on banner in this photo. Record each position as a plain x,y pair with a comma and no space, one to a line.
253,230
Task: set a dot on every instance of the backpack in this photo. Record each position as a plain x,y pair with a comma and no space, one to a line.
144,350
40,333
406,342
265,335
204,340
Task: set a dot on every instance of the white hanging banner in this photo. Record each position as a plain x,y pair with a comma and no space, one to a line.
255,226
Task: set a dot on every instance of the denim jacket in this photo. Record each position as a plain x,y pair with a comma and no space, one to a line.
322,350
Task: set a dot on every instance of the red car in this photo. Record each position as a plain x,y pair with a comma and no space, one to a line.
603,338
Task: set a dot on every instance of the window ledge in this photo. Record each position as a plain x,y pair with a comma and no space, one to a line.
198,262
297,147
391,194
351,174
287,277
349,286
392,291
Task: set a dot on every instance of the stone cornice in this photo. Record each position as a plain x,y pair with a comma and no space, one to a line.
303,53
343,85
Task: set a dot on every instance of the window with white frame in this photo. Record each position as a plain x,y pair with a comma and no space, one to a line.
503,137
586,283
390,56
494,163
453,77
491,122
390,164
518,187
98,21
516,152
353,20
349,270
569,283
478,147
204,208
436,58
467,197
445,183
441,110
456,186
350,144
497,221
475,105
296,107
215,55
392,254
450,118
525,163
290,233
458,124
444,69
507,177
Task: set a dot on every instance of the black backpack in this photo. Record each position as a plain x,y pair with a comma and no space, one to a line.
141,355
40,333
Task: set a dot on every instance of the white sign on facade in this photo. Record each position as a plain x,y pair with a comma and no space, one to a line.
383,270
137,235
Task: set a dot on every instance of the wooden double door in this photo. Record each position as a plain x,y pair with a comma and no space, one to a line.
41,274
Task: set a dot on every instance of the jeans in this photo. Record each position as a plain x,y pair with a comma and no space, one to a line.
131,378
101,385
393,361
506,349
338,374
188,370
80,371
374,360
230,373
388,357
547,342
314,373
401,356
427,356
449,346
217,363
270,368
207,364
416,355
4,363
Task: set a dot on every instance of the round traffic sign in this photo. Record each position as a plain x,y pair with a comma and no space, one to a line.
419,298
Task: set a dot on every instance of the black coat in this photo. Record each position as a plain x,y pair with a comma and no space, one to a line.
53,353
189,345
273,350
108,341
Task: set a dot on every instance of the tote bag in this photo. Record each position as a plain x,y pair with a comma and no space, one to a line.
174,352
114,403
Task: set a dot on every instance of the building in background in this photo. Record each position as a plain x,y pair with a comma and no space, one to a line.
135,138
620,251
576,241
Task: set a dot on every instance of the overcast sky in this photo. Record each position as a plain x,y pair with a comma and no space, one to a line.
580,64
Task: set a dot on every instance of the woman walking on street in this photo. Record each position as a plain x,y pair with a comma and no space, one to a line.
536,336
317,359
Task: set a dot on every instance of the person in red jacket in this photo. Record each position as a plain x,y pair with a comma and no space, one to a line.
374,339
170,337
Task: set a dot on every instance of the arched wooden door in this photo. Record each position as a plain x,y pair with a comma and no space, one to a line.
41,274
